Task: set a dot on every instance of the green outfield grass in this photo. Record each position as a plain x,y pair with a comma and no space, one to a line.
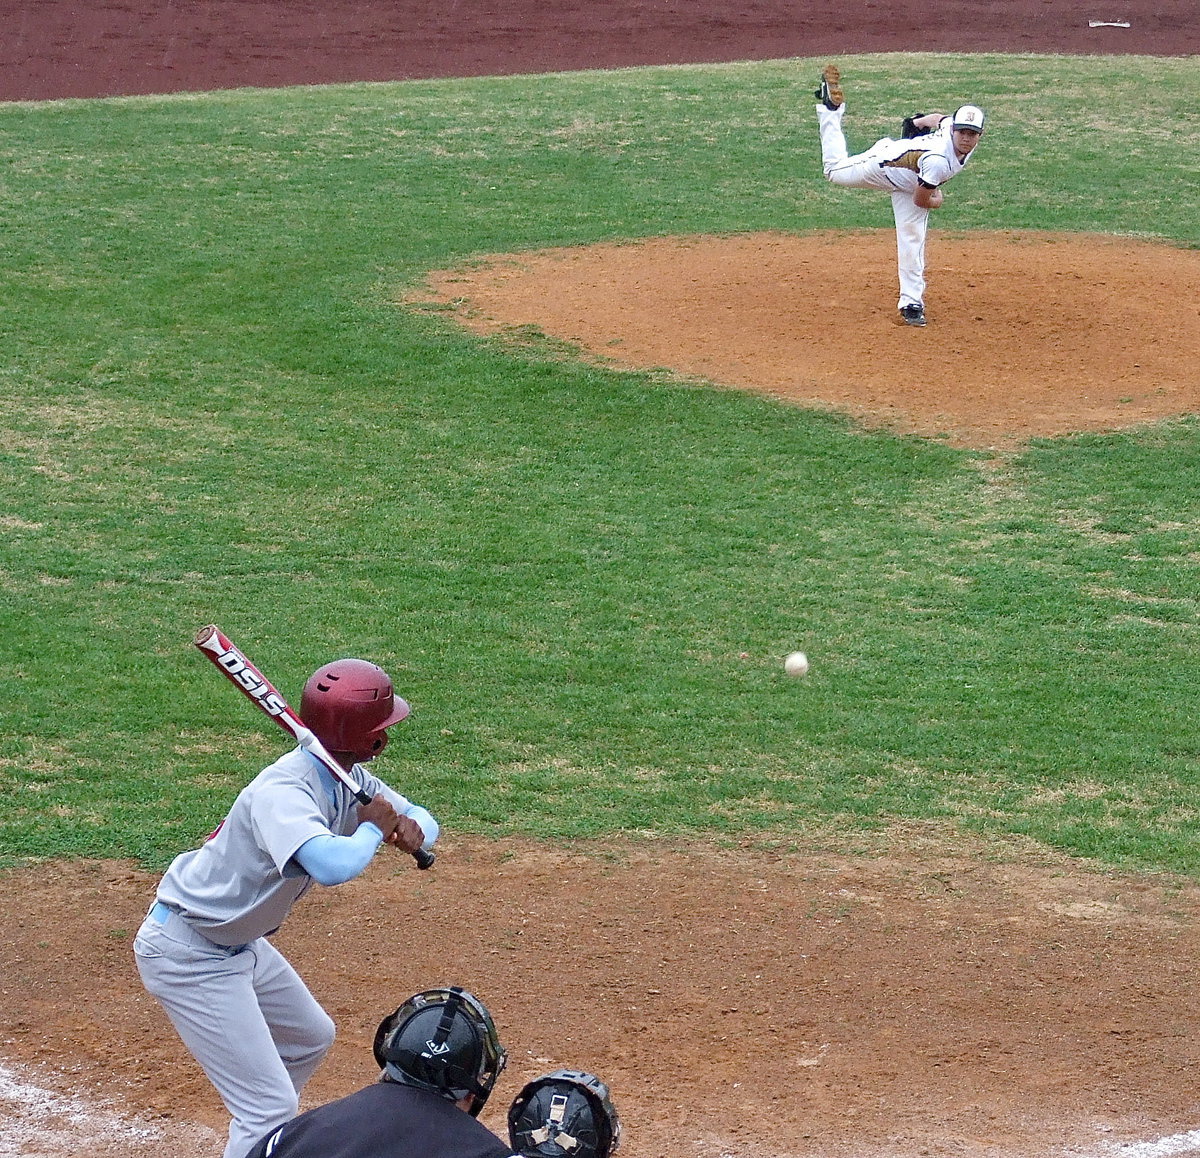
215,410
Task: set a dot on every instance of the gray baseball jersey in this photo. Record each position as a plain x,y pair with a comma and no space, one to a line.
243,881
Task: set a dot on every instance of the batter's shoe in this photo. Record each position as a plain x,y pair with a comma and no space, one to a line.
912,315
830,92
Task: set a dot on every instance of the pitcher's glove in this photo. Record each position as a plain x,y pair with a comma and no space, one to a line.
908,127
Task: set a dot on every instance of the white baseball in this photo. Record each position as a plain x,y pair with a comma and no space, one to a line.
796,664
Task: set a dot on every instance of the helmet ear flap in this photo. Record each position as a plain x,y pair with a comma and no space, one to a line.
381,1035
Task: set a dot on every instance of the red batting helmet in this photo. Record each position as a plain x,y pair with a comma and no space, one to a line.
350,704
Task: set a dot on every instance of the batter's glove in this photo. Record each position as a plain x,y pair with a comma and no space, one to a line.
908,127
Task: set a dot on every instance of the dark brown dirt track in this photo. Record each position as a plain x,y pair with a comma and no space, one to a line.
921,997
89,48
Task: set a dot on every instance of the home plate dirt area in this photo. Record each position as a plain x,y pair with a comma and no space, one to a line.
920,996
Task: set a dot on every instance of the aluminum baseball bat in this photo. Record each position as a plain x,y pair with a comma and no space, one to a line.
255,686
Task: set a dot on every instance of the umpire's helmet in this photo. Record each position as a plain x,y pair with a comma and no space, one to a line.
566,1114
349,704
442,1040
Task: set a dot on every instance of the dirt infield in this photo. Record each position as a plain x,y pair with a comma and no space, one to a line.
922,997
907,1000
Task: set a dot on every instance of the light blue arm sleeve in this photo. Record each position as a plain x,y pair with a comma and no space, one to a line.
333,860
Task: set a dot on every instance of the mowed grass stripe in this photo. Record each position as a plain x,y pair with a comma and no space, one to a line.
214,409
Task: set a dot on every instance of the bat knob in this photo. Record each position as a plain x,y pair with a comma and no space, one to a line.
424,858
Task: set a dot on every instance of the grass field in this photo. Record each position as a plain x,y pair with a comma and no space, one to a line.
214,409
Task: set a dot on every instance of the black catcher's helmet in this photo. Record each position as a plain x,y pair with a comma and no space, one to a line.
566,1114
442,1040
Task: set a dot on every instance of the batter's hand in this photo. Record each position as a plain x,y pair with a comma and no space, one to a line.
381,814
407,836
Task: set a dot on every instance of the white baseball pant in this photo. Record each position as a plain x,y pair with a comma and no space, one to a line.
245,1016
863,171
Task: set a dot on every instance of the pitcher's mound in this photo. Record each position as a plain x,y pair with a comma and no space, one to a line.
1030,334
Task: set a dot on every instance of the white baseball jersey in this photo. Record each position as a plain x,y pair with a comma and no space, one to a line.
243,881
895,167
901,164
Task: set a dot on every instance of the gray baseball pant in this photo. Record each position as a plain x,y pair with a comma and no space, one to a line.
245,1016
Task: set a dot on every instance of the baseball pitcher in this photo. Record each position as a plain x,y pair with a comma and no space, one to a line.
934,148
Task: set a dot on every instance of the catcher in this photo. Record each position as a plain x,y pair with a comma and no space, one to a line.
439,1057
933,148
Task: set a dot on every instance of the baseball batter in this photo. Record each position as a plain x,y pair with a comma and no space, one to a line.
912,170
202,950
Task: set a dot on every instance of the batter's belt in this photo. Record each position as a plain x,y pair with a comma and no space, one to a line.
181,929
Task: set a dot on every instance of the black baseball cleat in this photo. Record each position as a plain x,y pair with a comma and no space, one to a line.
912,315
830,93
